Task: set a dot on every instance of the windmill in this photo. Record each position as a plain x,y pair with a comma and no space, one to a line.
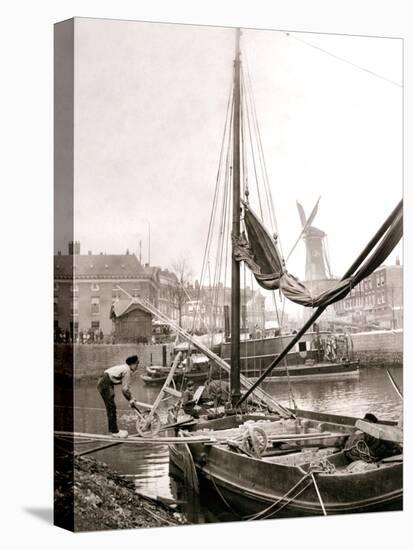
317,265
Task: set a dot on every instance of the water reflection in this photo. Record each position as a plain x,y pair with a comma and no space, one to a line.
370,392
148,464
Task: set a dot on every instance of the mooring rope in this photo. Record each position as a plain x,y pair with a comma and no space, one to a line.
273,505
189,469
318,493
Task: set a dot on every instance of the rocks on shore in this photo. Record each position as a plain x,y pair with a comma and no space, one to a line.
102,499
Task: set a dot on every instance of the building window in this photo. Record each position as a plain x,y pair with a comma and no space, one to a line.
56,287
56,306
74,307
95,306
74,289
94,287
95,325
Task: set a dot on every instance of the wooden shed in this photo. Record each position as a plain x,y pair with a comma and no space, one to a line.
132,322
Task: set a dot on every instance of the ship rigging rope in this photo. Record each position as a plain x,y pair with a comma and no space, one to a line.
244,152
249,124
223,229
228,119
267,188
261,153
343,60
253,156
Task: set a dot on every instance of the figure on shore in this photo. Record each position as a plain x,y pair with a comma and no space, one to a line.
119,374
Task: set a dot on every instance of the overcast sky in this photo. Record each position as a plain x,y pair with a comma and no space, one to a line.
150,104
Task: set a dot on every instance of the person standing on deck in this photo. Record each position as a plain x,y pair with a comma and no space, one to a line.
189,406
119,374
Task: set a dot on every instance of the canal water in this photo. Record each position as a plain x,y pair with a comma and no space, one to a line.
148,465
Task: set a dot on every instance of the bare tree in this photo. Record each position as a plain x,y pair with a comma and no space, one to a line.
179,291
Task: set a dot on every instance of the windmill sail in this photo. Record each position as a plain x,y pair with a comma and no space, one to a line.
301,213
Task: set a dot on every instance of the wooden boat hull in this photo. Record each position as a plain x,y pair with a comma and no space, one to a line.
303,360
315,372
234,477
248,486
318,371
159,380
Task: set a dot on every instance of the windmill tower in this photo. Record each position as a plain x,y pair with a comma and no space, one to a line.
318,277
317,265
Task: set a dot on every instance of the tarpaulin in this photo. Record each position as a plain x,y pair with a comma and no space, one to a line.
260,252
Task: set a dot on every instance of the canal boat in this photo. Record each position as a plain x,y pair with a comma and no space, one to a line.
196,368
295,467
286,462
308,360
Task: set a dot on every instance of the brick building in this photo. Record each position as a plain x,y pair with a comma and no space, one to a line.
86,286
167,282
376,301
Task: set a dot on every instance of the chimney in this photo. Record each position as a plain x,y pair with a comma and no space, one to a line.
127,252
147,264
74,248
59,252
89,252
397,260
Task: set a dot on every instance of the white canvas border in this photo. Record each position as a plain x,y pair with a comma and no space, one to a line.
27,47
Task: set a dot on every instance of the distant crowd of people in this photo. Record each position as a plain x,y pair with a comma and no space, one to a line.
94,336
89,336
332,347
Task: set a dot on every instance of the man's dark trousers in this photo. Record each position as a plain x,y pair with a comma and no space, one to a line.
107,391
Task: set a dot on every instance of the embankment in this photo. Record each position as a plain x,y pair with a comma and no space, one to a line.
378,348
90,360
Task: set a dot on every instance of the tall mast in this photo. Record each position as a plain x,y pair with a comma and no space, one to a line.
236,203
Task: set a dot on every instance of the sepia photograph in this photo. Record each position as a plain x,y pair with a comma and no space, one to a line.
228,308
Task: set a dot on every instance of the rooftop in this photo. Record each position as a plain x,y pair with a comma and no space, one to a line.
116,265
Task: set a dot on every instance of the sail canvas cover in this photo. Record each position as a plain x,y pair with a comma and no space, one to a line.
260,252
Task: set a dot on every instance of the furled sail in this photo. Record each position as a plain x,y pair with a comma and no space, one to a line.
260,252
